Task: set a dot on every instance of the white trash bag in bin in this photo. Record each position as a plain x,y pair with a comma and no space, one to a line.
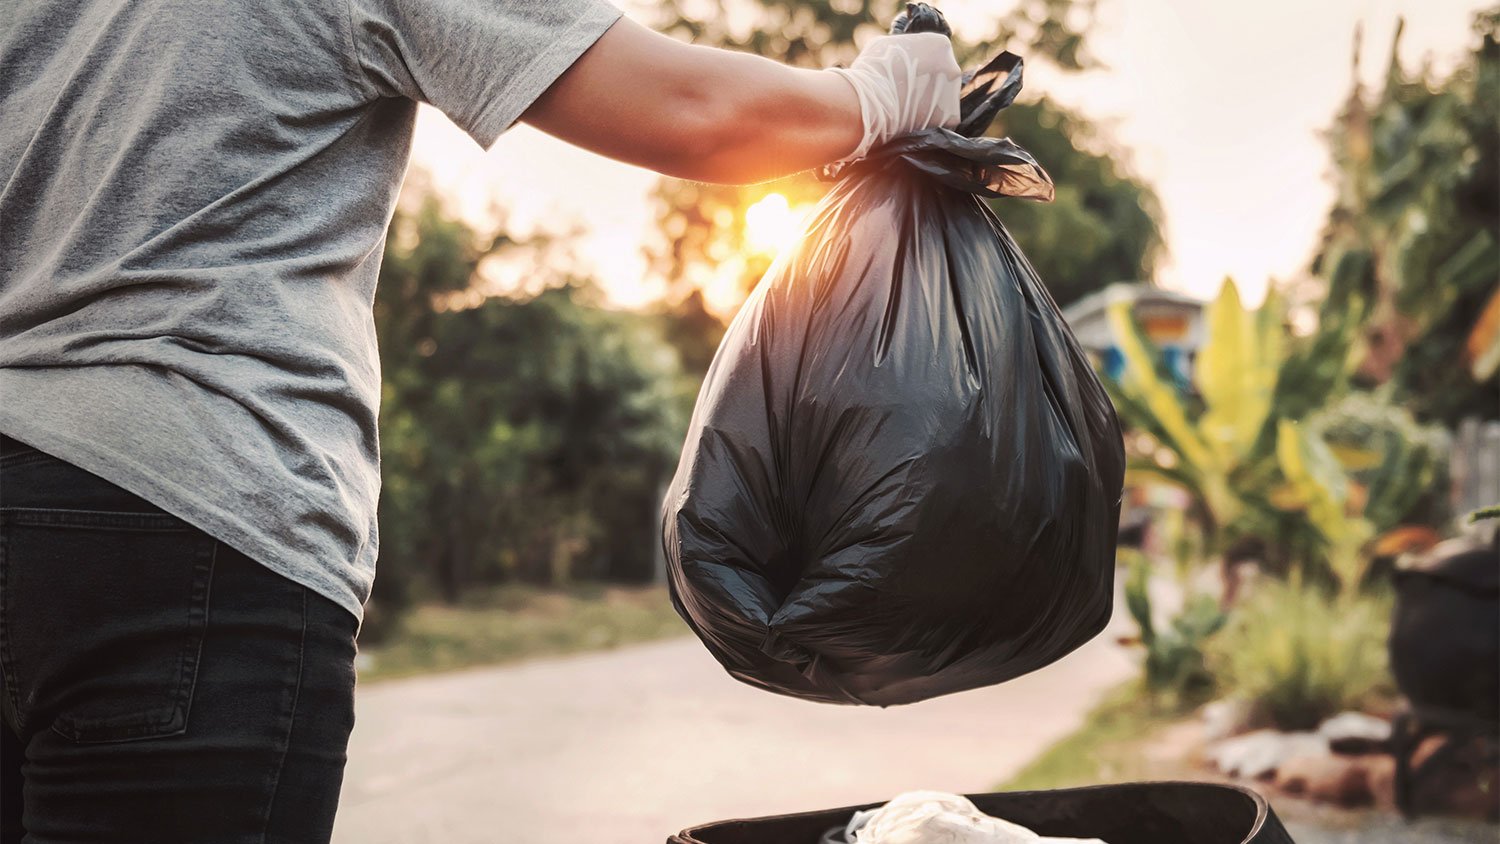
933,817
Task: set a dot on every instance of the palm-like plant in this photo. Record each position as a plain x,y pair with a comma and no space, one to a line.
1253,450
1212,442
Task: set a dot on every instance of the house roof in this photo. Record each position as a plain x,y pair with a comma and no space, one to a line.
1138,292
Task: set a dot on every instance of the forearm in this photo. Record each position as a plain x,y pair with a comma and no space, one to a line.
697,112
775,120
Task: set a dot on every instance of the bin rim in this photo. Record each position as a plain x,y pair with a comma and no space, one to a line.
1262,807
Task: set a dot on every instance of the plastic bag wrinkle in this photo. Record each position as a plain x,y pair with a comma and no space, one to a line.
902,477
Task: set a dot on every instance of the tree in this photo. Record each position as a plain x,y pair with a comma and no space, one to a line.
694,332
1102,228
1410,248
522,439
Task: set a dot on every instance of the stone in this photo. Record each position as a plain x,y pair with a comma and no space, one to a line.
1257,755
1225,718
1327,778
1356,733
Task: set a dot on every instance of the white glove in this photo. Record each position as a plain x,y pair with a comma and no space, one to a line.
906,83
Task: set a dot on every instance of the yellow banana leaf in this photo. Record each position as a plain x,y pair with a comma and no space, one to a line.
1311,469
1235,375
1271,333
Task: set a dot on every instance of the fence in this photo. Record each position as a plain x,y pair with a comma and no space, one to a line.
1475,466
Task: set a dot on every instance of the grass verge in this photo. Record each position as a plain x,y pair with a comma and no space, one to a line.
512,623
1118,742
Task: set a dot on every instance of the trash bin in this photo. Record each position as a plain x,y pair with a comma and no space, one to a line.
1134,813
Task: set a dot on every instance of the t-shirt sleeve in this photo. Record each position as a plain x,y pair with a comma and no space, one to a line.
481,62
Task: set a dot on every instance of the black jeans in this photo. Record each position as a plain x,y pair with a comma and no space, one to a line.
158,685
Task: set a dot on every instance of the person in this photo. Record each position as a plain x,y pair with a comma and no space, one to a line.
193,203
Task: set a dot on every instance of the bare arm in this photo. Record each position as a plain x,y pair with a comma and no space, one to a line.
696,112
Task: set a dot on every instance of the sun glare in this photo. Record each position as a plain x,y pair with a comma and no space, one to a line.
772,225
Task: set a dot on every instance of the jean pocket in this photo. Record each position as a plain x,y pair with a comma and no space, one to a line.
102,617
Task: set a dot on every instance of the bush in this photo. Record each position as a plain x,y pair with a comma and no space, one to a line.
524,440
1299,656
1175,669
1401,465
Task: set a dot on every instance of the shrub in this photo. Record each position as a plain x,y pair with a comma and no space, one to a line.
1401,466
1298,655
1175,670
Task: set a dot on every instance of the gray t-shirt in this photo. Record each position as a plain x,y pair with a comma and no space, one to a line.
193,202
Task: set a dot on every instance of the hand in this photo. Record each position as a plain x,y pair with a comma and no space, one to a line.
906,83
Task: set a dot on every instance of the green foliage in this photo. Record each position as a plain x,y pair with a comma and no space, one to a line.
1400,465
522,439
1102,227
1119,741
820,33
1410,250
694,333
1298,655
1175,668
1319,368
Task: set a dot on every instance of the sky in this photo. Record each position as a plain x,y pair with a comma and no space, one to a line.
1218,105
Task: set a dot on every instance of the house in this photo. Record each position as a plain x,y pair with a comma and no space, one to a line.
1172,321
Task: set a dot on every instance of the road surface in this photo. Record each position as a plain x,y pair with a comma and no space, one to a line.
634,744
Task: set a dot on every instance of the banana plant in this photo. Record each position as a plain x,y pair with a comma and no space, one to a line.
1206,445
1258,454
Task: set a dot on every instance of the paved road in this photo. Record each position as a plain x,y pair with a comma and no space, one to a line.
629,746
1387,829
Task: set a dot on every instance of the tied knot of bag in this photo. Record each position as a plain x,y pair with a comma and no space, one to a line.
964,157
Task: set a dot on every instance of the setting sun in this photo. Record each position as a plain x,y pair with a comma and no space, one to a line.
772,224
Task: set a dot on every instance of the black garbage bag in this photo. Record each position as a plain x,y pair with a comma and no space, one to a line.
902,477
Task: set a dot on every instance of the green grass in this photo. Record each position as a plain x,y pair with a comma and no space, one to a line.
1110,747
1294,654
1299,656
513,623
